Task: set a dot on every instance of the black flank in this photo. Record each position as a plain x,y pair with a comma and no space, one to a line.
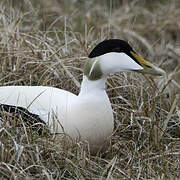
29,118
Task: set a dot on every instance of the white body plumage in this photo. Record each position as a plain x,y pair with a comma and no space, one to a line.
88,115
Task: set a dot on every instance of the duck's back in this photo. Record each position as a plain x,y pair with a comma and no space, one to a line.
39,100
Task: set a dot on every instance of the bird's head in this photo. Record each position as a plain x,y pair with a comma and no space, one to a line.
115,55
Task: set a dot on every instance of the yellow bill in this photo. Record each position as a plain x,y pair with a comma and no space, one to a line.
148,67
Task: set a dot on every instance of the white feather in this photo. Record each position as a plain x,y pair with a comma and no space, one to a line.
118,62
88,115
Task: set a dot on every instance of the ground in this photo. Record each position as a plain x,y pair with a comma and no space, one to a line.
47,42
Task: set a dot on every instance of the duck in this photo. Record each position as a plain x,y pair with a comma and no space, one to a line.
89,114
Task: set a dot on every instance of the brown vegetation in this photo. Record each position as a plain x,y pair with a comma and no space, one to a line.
43,43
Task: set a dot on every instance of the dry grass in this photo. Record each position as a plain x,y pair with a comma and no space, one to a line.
44,43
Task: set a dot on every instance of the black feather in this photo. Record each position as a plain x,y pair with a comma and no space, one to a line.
113,45
29,118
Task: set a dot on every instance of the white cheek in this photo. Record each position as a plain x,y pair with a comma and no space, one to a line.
118,62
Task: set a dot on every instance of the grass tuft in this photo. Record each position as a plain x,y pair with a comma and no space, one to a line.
43,43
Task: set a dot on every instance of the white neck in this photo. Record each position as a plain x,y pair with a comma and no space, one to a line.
92,85
97,69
